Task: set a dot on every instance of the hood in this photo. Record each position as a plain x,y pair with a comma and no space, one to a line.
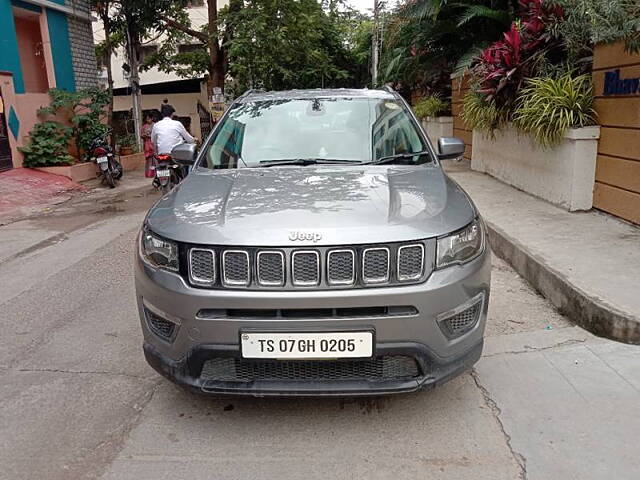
323,205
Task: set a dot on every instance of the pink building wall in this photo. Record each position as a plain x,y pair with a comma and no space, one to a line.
27,104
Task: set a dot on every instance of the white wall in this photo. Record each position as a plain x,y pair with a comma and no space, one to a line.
563,175
437,127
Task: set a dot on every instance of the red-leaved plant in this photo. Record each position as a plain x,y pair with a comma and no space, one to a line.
504,66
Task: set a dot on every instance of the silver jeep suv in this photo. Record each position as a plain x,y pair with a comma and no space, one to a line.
316,248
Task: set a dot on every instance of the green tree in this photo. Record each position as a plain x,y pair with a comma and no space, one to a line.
281,44
113,37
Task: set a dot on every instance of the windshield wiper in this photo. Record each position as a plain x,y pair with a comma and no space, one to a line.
303,161
397,156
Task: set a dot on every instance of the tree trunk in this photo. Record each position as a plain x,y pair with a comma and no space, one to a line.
216,58
106,23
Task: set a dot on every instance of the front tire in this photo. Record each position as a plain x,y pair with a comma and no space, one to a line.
108,177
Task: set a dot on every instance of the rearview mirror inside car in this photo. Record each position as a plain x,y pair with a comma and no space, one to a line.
450,147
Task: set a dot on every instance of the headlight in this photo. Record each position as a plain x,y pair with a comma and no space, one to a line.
158,251
461,246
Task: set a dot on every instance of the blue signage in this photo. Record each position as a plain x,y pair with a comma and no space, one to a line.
614,85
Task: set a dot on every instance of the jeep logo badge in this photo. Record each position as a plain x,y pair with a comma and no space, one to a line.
305,236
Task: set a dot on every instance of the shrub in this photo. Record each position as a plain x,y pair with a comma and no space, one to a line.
431,106
482,114
128,141
548,107
48,146
86,112
503,66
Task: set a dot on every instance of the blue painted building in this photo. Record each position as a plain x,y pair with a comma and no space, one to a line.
44,44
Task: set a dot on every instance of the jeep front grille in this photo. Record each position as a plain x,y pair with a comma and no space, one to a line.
355,266
341,268
235,267
306,267
410,262
270,268
202,270
375,265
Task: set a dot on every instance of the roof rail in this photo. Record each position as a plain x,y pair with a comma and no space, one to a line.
245,94
387,88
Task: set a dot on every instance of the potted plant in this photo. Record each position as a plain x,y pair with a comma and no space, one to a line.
127,144
435,115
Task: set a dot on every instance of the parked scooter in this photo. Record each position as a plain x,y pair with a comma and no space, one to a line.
101,152
168,173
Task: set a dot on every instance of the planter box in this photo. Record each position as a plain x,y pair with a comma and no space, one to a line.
78,172
132,162
437,127
563,175
81,172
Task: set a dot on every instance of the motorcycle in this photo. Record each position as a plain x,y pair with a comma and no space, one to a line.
168,173
101,152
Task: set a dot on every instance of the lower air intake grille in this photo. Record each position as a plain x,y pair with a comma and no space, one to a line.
387,367
158,325
461,322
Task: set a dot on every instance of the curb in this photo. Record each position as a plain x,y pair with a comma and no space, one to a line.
589,312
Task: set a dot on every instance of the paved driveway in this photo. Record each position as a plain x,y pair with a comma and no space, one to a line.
547,401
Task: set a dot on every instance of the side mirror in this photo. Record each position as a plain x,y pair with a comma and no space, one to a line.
450,147
185,153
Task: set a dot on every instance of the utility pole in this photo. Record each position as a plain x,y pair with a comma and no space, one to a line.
134,84
375,43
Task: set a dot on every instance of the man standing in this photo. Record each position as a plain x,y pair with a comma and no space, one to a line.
168,133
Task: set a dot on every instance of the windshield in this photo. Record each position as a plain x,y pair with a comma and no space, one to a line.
318,129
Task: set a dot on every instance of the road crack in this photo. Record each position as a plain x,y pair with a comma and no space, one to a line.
520,460
530,349
74,372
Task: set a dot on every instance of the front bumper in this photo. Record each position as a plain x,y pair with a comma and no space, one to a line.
186,372
197,338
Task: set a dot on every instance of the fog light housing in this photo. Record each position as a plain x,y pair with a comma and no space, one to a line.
461,319
162,327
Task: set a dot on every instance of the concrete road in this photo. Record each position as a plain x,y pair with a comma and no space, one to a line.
547,401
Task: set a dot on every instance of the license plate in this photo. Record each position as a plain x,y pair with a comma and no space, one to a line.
162,173
102,159
307,345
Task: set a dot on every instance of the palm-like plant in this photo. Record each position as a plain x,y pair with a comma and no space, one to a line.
427,39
